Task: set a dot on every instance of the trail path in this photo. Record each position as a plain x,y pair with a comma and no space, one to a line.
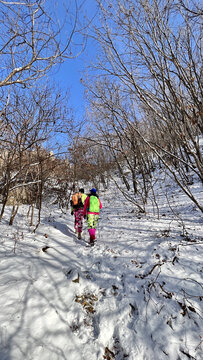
135,295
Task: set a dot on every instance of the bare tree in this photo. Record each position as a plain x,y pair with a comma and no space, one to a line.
32,39
35,36
29,122
193,8
115,121
152,51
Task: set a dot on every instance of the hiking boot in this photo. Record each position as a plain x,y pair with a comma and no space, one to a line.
79,235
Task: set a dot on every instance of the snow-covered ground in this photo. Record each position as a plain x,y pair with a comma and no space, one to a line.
136,295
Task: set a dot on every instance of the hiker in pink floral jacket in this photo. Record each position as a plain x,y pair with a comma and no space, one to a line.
77,205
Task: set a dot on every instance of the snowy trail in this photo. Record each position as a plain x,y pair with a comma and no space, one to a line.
99,277
135,295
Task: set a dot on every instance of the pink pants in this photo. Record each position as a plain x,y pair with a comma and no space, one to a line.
78,220
92,235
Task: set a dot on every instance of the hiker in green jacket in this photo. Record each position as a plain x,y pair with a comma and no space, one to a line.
92,207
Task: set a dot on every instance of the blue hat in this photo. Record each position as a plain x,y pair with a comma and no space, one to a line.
93,191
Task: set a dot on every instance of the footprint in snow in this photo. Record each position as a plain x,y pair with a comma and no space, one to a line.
133,314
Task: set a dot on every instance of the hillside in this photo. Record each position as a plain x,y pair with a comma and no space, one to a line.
136,295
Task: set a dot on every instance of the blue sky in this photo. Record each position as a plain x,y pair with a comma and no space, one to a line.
68,74
68,77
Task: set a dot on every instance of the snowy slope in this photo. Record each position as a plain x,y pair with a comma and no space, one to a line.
136,295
